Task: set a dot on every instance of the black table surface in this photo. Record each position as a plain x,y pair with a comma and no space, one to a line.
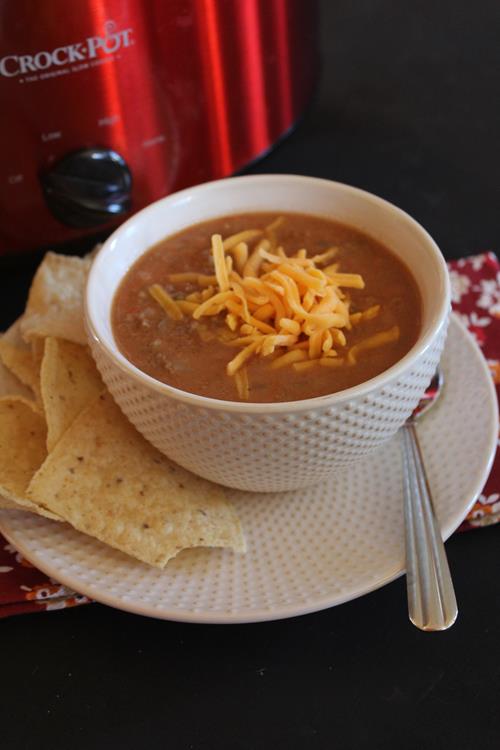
408,107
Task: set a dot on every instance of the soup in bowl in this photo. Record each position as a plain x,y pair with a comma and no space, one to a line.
265,331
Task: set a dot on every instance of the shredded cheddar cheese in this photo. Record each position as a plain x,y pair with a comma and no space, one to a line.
373,342
242,385
236,239
221,271
294,355
293,307
165,300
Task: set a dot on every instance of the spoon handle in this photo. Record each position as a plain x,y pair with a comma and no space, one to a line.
431,598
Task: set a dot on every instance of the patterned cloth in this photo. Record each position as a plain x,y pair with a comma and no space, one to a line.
475,285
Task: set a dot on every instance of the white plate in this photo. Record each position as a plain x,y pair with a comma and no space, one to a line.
307,550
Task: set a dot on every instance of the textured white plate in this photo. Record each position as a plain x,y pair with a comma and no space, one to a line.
307,550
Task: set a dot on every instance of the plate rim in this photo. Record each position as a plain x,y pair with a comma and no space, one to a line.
250,616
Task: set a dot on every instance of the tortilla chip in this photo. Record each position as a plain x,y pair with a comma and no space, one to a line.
55,301
10,385
37,349
107,481
8,504
17,357
22,450
69,381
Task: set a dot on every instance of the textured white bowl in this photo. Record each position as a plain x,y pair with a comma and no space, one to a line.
281,446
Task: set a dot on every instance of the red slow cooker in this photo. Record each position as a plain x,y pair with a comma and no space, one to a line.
107,105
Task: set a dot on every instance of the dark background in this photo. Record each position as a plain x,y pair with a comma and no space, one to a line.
409,108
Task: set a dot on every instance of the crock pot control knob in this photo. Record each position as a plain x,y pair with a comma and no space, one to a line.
88,188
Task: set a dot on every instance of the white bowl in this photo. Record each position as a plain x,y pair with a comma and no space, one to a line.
281,446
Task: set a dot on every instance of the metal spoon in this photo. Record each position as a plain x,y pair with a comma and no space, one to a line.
431,598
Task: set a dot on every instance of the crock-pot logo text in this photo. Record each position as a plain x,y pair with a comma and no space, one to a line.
93,47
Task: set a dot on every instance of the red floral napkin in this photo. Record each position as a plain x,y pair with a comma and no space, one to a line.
476,298
475,284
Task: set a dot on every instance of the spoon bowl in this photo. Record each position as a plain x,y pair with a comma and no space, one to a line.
431,395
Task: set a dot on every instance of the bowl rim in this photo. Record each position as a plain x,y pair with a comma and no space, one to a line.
362,389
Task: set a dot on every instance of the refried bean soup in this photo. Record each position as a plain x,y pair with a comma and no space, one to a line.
266,307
